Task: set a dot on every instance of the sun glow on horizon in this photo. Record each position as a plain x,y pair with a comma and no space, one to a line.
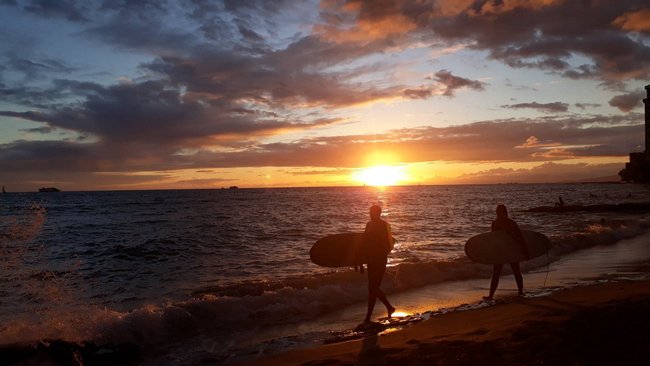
381,175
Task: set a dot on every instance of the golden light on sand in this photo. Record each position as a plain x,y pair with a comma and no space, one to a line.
381,175
400,314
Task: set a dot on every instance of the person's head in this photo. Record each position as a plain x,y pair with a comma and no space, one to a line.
375,212
502,212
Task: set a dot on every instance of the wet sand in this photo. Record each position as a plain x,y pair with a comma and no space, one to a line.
603,324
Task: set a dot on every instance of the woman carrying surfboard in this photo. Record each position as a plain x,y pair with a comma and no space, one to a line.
504,223
378,243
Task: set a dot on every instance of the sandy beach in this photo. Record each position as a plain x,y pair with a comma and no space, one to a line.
602,324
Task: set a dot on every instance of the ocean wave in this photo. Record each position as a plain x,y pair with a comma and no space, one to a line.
221,310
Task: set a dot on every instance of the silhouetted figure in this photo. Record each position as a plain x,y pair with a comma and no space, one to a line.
560,202
503,223
377,244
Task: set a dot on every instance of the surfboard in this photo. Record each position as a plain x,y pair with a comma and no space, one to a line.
497,247
339,250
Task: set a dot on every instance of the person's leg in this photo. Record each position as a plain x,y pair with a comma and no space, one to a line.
372,295
381,270
496,273
382,297
516,271
375,275
374,279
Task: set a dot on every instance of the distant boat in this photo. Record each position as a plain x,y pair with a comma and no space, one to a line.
234,187
3,189
49,189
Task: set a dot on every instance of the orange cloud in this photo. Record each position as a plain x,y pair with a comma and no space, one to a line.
634,21
533,142
363,22
558,153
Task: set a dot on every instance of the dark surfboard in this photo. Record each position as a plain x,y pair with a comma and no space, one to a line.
497,247
339,250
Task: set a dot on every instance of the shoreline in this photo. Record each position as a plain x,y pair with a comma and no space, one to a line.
607,323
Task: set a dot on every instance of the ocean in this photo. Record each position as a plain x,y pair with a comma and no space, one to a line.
226,273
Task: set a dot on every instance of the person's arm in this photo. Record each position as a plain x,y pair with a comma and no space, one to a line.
495,226
389,233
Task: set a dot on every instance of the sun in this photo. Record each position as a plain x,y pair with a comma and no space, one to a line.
381,175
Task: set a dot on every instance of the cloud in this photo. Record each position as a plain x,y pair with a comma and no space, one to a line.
584,106
510,140
555,107
538,34
627,102
219,77
42,129
154,113
446,84
363,21
541,34
545,173
35,68
333,172
638,21
68,9
533,142
452,83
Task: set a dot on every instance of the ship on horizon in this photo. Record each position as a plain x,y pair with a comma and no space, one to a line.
49,189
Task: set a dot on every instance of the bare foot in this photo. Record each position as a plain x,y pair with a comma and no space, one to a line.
390,310
487,298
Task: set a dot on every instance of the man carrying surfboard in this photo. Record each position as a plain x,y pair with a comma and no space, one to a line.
504,223
378,243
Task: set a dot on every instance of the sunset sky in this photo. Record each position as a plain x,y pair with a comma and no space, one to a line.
154,94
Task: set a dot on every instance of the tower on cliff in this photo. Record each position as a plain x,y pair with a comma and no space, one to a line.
638,169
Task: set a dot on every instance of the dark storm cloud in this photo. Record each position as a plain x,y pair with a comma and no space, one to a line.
555,107
284,78
627,102
153,113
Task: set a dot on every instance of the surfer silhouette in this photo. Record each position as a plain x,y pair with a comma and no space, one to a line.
504,223
377,243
